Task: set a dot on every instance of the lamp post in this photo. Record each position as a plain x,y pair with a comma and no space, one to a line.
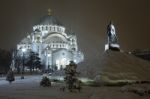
12,66
48,62
22,69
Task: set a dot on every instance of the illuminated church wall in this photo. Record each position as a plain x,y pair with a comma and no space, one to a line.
55,44
62,57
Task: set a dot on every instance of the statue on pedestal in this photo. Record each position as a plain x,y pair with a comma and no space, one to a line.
112,38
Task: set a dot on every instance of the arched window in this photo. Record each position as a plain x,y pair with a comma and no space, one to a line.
54,28
46,28
50,28
57,29
38,49
42,28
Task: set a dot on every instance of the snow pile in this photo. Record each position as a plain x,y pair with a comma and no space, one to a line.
115,65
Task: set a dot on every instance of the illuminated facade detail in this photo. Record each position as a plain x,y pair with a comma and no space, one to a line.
55,45
112,38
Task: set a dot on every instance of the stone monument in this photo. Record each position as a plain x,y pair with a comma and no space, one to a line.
112,43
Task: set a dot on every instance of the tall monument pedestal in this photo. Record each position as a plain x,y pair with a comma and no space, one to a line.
114,47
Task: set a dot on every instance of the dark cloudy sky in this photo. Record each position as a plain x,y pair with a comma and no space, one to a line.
87,18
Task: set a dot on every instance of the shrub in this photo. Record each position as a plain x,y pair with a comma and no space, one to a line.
45,82
10,76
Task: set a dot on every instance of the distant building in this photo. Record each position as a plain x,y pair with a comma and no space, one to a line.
55,44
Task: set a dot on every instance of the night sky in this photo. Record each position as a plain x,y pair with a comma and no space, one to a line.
87,18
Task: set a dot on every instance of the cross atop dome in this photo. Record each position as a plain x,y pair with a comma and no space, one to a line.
49,11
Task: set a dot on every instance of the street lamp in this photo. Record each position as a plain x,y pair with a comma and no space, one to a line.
22,69
49,55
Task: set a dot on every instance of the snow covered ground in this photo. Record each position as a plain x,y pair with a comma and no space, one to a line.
19,80
29,88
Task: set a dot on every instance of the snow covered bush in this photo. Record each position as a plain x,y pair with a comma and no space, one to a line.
10,76
45,82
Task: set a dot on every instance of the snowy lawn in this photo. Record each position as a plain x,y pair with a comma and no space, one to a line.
29,88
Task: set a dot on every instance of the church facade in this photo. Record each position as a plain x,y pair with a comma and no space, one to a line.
55,45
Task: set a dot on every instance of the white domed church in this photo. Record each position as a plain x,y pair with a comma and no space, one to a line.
55,45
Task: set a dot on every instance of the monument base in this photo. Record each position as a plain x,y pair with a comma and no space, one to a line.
114,47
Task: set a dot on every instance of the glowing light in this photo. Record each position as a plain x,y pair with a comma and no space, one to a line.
23,49
58,64
106,47
75,61
49,55
63,61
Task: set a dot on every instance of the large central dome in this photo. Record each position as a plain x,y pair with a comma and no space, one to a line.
48,20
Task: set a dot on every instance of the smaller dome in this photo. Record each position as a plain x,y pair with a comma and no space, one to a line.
49,20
